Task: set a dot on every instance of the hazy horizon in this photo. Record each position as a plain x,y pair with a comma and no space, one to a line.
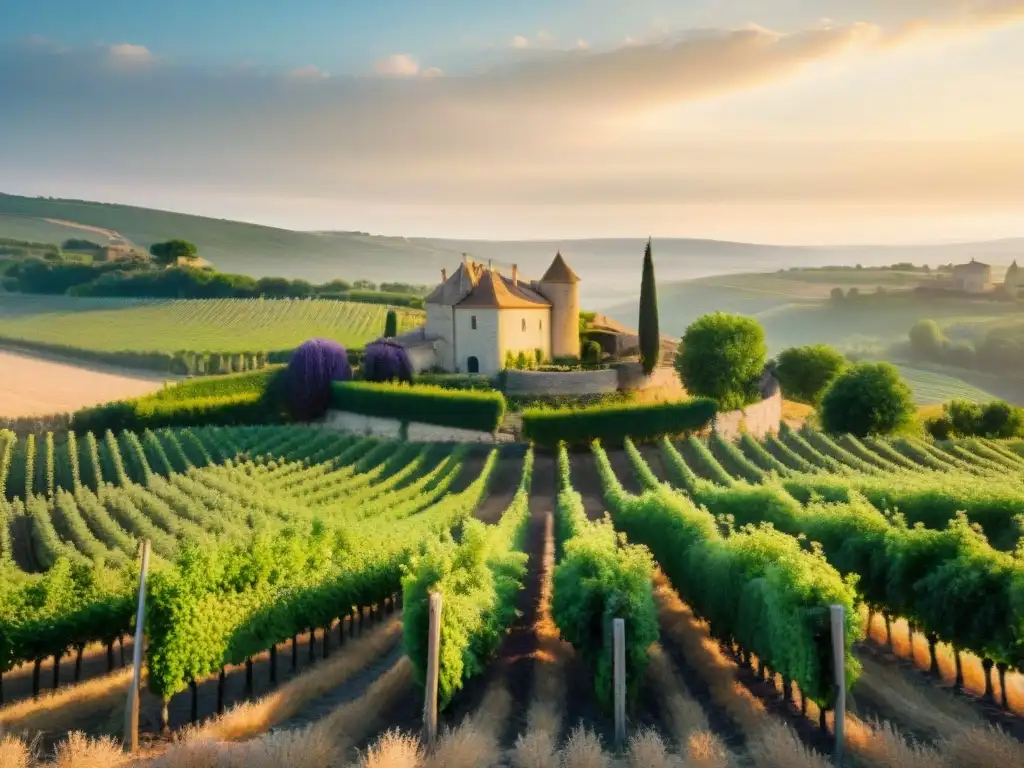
849,123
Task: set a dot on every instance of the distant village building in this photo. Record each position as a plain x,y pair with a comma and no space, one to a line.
1013,283
477,316
973,277
115,250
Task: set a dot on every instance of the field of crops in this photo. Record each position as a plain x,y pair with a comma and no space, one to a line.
200,325
286,606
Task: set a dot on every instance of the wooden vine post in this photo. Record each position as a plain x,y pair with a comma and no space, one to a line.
131,715
619,673
433,661
839,658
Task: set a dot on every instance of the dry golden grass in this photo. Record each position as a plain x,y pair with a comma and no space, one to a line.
583,749
251,718
316,745
14,753
80,751
776,745
687,722
915,647
981,747
795,414
61,710
881,744
535,749
467,746
394,750
647,750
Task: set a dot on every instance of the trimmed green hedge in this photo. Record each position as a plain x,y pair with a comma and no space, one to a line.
614,423
466,409
143,413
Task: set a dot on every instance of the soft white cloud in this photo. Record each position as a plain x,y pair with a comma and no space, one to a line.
519,42
545,38
130,52
545,125
397,65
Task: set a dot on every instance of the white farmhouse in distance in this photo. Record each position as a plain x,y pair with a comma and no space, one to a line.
476,316
973,277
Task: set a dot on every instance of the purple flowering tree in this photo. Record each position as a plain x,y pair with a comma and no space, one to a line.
387,360
314,365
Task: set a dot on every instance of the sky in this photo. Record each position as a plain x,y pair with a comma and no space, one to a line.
777,121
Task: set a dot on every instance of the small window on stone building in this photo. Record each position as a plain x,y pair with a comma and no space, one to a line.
472,322
540,324
524,325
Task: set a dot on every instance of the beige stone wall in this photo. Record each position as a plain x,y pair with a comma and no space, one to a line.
482,342
391,429
565,317
439,326
524,330
759,419
561,383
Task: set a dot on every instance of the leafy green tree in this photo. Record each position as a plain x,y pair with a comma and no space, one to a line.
168,253
805,372
867,399
837,294
1002,420
926,338
650,337
722,356
391,324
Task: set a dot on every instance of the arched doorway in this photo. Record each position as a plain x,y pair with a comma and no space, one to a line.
473,365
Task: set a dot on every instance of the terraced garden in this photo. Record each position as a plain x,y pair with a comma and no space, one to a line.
291,566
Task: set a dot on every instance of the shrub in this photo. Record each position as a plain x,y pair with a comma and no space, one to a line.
867,399
391,324
153,412
459,381
722,357
521,362
387,360
592,353
805,372
961,418
314,365
613,423
940,427
926,338
481,411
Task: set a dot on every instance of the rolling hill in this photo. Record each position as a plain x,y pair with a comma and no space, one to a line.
609,267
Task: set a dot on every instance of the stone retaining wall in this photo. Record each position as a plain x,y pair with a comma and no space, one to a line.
561,382
391,429
758,419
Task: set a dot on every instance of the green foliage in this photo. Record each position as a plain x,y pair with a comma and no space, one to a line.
461,381
467,409
591,353
522,362
722,356
755,587
598,579
478,579
927,339
169,252
961,418
650,336
805,372
867,399
198,337
613,422
391,324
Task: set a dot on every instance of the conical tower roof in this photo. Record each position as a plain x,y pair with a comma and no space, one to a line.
559,272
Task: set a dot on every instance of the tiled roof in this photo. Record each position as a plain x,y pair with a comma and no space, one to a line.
456,287
559,272
972,265
492,292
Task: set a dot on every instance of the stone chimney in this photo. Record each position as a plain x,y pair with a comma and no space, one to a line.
444,275
515,274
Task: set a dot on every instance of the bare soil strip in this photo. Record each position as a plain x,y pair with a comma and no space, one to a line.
587,483
513,667
502,488
36,386
18,682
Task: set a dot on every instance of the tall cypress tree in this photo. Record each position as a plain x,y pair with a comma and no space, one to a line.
650,338
391,324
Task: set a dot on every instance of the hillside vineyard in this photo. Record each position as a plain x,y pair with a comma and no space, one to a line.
261,533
